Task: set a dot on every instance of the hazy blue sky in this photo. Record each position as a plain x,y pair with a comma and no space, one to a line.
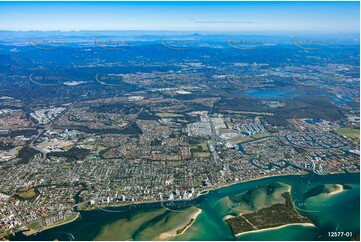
207,16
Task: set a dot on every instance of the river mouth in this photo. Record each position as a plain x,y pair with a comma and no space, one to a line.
341,212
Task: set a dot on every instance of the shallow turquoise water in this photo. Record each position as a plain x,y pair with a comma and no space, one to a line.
292,232
339,212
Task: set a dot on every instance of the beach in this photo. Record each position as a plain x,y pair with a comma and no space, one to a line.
151,222
183,227
275,228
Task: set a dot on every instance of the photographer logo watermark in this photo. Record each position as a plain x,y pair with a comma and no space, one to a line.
113,44
177,80
109,79
177,206
46,80
240,80
242,44
309,45
311,207
179,44
239,206
46,44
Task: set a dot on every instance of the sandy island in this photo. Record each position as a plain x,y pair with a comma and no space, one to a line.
183,227
338,189
203,192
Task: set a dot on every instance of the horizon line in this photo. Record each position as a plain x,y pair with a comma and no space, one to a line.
177,30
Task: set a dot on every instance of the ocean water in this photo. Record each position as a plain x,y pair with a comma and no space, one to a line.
330,213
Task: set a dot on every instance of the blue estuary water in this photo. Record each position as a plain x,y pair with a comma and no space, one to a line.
329,212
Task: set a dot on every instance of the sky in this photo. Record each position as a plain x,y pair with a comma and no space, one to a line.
181,16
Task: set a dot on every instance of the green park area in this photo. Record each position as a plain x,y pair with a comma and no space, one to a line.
348,132
200,150
26,193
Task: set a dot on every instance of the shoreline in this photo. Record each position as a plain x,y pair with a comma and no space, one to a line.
255,179
200,193
268,176
51,226
63,223
205,192
228,217
115,205
275,228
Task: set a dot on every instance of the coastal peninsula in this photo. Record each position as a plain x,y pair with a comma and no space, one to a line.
269,217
